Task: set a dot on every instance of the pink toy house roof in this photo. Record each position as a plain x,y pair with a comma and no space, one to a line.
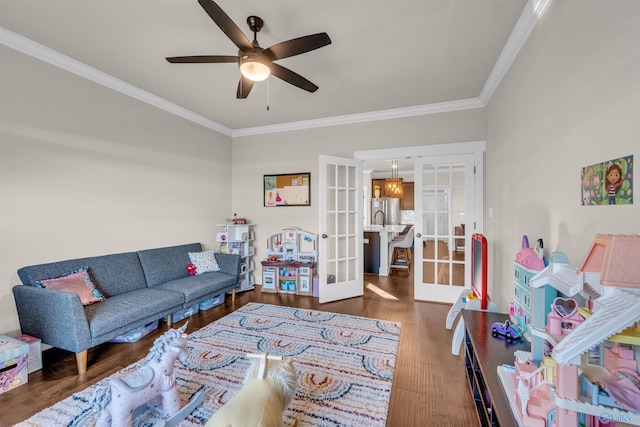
616,258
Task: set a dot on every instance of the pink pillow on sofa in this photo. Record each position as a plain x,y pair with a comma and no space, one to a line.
77,282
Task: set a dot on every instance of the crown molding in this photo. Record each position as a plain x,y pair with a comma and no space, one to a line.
532,12
29,47
396,113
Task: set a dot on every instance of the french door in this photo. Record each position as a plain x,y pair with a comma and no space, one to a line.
340,265
445,218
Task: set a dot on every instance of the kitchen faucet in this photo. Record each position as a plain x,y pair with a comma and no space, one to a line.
376,214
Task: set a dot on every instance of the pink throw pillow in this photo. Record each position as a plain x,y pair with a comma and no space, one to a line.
77,282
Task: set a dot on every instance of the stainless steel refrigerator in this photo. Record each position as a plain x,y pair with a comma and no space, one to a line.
385,211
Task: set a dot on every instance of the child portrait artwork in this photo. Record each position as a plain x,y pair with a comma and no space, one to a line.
608,183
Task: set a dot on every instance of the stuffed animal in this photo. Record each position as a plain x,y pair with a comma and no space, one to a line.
269,386
191,270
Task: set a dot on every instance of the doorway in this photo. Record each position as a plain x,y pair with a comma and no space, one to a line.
448,209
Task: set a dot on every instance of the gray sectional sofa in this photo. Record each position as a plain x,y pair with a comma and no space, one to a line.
139,287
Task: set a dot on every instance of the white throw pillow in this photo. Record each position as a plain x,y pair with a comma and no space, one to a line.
204,261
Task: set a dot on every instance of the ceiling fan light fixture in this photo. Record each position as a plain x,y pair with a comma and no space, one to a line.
254,69
255,63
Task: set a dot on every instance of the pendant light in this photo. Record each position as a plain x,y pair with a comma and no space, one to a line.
393,185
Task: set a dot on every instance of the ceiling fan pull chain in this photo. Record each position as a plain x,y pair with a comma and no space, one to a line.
268,94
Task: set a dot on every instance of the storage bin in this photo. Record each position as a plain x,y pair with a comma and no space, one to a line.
137,333
183,314
212,302
287,285
35,352
13,363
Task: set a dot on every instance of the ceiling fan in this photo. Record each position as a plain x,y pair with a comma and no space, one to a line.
256,63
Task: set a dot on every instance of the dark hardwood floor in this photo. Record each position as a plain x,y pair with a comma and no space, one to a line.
429,384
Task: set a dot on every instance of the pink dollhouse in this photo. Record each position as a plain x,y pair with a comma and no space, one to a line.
590,376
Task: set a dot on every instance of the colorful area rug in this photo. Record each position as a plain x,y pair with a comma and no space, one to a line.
345,368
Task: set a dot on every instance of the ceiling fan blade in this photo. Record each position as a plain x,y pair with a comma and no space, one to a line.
293,78
225,23
201,59
244,87
297,46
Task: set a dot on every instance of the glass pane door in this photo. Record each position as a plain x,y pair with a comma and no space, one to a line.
444,203
340,263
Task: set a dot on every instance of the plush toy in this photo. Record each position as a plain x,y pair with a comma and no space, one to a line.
115,399
191,269
269,386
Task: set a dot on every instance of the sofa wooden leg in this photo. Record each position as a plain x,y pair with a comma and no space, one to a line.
81,361
169,320
233,295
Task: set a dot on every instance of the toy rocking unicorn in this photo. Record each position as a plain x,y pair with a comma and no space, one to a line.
269,386
115,399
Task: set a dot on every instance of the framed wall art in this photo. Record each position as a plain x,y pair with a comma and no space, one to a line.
291,189
608,183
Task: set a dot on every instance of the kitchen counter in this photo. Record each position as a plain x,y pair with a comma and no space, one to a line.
388,228
387,233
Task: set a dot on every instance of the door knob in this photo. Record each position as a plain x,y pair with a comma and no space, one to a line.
324,236
418,235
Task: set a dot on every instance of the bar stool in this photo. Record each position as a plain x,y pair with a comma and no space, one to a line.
400,249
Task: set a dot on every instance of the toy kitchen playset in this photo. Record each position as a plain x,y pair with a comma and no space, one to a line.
291,262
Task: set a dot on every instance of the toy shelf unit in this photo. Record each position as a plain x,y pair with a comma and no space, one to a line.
483,355
236,238
291,262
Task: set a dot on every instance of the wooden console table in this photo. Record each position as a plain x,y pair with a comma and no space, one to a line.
483,354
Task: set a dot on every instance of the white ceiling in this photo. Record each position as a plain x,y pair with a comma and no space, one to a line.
385,55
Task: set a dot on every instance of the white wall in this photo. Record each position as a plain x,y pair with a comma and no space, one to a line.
88,171
291,152
571,99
